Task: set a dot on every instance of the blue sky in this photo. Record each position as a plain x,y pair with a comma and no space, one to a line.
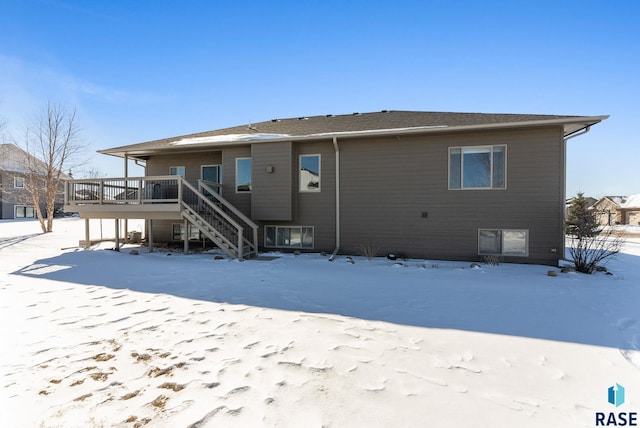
142,70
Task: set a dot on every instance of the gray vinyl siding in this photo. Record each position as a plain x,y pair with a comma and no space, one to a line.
11,196
315,209
395,194
271,197
159,165
162,230
3,195
241,201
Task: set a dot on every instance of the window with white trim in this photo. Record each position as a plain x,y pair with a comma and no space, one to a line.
243,175
18,183
177,170
478,167
288,236
178,232
211,173
309,173
24,211
503,242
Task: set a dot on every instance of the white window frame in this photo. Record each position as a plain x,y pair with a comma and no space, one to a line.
190,230
177,168
202,167
462,148
17,181
307,190
313,237
15,211
236,174
502,251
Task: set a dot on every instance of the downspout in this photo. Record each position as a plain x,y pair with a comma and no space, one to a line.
337,150
564,186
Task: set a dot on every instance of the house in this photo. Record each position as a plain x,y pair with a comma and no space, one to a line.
612,210
456,186
15,200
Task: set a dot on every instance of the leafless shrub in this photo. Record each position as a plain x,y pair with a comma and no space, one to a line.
369,250
493,260
591,252
590,245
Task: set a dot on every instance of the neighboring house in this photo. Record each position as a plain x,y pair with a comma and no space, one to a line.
15,201
612,210
456,186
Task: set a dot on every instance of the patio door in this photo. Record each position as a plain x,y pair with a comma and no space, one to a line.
211,173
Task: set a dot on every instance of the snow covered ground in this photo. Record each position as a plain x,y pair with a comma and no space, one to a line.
99,338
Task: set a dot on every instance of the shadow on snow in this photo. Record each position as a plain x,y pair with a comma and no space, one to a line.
518,300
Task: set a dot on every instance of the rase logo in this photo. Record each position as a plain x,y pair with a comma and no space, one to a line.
615,396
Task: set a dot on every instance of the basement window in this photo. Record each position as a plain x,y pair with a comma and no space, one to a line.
178,232
503,242
288,236
24,211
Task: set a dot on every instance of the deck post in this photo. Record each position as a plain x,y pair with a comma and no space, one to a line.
186,237
150,235
126,195
255,240
117,248
240,242
87,239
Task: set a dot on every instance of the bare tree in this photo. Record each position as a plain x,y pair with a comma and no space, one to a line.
52,142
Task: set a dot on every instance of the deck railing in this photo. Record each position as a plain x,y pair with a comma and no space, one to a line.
203,206
129,190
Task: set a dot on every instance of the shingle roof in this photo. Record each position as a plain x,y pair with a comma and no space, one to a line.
14,159
358,122
626,202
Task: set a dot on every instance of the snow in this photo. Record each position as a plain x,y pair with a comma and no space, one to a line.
262,136
227,138
632,201
101,338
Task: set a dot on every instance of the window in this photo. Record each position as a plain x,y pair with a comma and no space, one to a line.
309,173
482,167
18,182
211,173
243,175
288,236
178,232
503,242
24,211
176,170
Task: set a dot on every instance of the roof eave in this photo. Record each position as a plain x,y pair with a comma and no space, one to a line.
571,126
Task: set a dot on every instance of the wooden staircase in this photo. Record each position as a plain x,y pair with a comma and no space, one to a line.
218,220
